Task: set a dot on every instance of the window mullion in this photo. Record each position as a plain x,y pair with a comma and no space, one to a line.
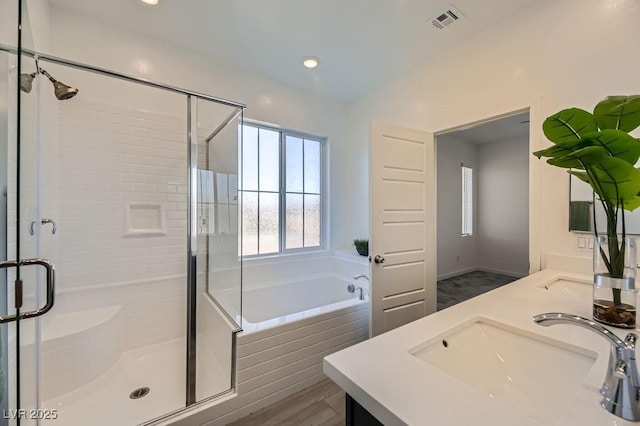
258,201
282,192
304,242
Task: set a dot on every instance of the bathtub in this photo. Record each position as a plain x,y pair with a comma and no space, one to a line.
287,330
273,305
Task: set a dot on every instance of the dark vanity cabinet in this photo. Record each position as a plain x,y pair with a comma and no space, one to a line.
357,415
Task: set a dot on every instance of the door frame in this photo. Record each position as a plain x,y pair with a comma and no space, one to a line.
534,107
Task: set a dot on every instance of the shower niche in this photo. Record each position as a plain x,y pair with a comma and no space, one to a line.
146,219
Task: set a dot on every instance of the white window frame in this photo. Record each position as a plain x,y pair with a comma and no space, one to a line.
282,220
467,200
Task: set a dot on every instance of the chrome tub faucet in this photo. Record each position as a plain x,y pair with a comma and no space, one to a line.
351,288
621,388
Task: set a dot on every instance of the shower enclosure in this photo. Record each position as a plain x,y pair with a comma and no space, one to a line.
119,212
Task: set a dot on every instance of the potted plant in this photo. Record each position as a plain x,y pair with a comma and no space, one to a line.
362,247
598,149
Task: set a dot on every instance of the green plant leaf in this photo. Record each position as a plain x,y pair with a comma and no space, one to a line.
580,159
618,112
619,180
569,125
560,150
632,204
616,142
583,176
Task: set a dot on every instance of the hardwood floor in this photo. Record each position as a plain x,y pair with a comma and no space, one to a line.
320,405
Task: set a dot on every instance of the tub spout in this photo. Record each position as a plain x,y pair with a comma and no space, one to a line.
352,289
357,277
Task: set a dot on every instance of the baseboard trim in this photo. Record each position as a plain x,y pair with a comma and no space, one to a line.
501,272
456,273
490,270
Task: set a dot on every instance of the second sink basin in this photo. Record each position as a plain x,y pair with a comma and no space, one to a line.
531,373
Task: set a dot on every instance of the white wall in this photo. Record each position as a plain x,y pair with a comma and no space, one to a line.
551,51
85,40
503,207
9,22
456,254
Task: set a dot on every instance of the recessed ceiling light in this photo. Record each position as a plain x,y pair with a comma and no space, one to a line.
310,61
151,2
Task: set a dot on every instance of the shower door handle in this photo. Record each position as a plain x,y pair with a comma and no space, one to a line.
51,286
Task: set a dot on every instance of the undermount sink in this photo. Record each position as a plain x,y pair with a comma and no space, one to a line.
531,373
569,287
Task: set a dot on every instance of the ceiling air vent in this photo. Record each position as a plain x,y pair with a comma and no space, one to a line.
446,18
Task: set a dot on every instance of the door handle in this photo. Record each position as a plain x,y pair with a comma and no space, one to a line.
51,287
378,259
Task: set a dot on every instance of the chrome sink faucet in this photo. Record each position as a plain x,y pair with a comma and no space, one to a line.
621,388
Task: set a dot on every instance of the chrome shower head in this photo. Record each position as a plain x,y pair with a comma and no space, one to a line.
26,82
61,90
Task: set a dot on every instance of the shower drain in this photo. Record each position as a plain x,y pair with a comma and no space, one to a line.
139,393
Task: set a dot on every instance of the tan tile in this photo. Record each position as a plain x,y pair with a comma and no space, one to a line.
337,403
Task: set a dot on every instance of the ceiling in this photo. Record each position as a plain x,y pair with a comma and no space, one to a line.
508,128
360,43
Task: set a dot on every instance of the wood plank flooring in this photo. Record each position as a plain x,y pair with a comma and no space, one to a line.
320,405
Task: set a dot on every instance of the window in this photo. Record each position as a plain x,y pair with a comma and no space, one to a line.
281,189
467,201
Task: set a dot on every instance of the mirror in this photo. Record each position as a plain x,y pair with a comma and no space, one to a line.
581,207
582,203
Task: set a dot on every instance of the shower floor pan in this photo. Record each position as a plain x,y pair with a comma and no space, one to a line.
106,400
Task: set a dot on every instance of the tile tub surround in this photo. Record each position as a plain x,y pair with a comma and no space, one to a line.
413,390
279,361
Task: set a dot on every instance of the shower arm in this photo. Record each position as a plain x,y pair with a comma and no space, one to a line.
46,74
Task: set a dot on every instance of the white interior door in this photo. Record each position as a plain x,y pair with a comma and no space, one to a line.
402,234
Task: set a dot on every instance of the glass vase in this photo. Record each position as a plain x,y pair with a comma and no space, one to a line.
614,279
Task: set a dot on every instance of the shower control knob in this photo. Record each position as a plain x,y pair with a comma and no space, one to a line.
378,259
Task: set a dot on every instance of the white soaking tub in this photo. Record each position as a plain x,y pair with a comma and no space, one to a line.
288,329
274,305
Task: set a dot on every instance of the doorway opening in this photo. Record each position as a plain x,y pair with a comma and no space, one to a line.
482,207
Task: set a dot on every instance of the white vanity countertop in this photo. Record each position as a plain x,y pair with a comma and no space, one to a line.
400,389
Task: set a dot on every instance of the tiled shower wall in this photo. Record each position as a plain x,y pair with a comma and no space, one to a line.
107,158
110,157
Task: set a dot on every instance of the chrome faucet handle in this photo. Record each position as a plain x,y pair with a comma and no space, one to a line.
621,388
634,374
622,401
357,277
351,288
631,340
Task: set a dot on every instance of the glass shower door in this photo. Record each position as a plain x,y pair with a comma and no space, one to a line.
27,279
102,185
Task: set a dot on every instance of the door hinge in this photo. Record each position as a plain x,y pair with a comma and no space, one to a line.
18,294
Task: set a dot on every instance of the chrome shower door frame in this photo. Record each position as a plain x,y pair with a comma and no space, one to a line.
192,167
